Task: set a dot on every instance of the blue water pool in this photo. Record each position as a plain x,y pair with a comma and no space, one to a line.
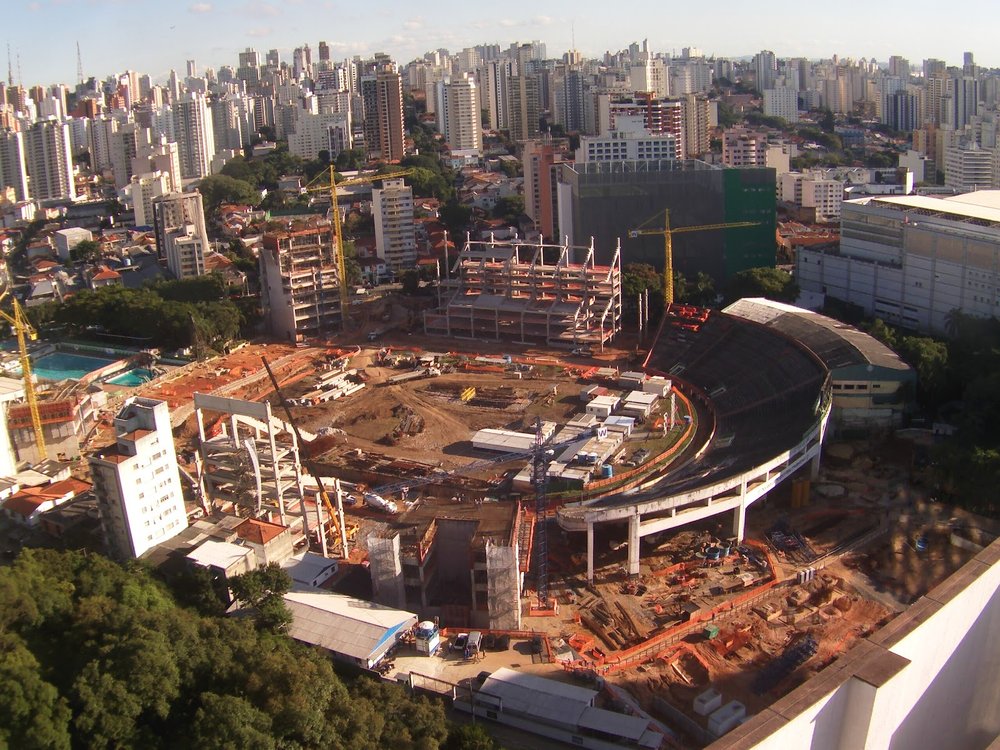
61,365
134,377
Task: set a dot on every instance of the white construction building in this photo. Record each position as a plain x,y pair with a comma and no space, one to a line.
136,480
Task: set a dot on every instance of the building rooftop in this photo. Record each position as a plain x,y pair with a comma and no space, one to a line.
980,206
259,532
343,624
212,554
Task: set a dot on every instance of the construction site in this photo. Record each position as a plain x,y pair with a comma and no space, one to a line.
680,527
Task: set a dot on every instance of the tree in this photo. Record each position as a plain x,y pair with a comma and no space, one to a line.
509,208
772,283
470,737
262,590
456,217
410,282
220,188
229,722
636,279
85,251
32,713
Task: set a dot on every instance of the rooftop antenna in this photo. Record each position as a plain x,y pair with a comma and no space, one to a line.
10,68
573,37
20,79
79,64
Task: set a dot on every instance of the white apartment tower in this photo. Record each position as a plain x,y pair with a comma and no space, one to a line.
136,480
395,240
195,135
783,102
49,162
181,237
13,172
459,114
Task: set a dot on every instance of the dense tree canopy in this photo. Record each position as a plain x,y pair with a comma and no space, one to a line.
98,655
772,283
193,312
221,188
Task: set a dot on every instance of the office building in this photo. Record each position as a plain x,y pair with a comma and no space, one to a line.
968,167
136,480
181,237
49,162
395,238
299,280
911,260
606,200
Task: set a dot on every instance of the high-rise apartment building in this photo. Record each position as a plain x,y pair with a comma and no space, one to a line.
524,107
194,135
459,115
49,162
395,239
765,67
160,156
136,480
783,102
700,116
382,101
541,160
13,170
299,280
181,237
142,190
900,111
494,95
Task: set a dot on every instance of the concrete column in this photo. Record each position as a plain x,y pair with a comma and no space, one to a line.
633,545
590,553
739,521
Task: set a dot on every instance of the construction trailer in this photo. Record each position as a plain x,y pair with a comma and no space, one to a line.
530,292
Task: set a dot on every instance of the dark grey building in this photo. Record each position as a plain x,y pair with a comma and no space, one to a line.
606,200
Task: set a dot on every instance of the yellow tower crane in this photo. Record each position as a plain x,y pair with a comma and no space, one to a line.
668,233
24,332
338,239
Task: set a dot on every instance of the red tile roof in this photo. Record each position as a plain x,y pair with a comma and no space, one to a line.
24,505
259,532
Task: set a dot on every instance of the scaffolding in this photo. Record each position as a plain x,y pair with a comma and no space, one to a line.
249,462
386,568
530,292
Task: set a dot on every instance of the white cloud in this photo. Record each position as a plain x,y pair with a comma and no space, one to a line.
542,20
260,31
262,9
412,24
200,8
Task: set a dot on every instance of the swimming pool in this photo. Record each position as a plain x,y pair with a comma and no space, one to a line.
134,377
62,365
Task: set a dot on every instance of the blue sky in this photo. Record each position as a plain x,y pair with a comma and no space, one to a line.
153,36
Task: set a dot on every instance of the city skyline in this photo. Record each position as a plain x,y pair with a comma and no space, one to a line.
189,30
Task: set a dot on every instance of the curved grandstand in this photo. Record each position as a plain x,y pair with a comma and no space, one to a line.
766,400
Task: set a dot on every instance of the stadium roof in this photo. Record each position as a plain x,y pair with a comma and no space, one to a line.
836,343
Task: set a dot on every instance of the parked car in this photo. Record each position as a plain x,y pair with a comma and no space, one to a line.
459,643
583,351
